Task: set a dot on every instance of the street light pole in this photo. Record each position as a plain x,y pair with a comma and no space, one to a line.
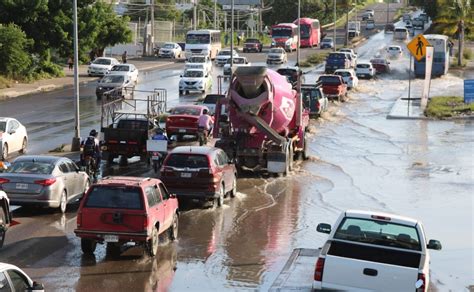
334,31
388,9
215,14
195,15
231,34
299,35
76,140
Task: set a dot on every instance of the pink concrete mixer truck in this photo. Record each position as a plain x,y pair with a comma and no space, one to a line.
261,122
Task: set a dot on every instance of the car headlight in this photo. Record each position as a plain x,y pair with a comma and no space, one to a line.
273,43
99,88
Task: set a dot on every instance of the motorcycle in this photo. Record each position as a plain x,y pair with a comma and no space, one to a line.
90,164
157,160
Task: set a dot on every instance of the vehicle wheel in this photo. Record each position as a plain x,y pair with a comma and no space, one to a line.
233,192
180,92
186,92
173,230
24,145
5,151
152,244
219,201
3,226
113,249
291,158
203,91
63,202
88,245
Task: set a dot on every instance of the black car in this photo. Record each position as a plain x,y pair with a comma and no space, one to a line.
253,45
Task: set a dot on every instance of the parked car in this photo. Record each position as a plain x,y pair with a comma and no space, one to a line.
210,102
389,27
327,43
277,56
170,50
41,180
12,278
314,99
195,80
200,173
374,251
333,87
349,77
117,210
253,45
101,66
224,55
113,86
183,120
238,62
5,216
291,74
199,62
13,137
365,69
394,52
381,65
127,70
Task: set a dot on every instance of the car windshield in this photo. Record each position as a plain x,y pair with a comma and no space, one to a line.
37,167
337,56
363,66
198,39
394,49
378,61
190,73
211,98
224,53
327,40
168,46
253,41
120,68
237,61
197,59
3,126
102,61
276,51
113,79
305,30
114,197
330,80
281,32
186,111
343,73
384,233
188,160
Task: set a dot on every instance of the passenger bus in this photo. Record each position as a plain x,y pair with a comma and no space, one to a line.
441,62
310,32
203,42
285,35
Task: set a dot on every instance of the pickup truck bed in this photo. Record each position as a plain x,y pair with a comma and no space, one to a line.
298,272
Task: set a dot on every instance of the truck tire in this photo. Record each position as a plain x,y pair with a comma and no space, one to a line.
152,245
113,249
88,245
173,230
219,201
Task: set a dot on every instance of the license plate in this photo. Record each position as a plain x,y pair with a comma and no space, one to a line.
186,174
21,186
155,158
182,130
111,238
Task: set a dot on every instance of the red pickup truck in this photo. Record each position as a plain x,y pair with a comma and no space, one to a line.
333,87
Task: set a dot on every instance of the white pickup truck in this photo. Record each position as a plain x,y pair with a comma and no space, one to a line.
367,251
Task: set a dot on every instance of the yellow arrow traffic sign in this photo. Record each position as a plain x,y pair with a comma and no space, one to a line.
417,47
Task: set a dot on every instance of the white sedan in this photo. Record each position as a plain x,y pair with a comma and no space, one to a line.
394,52
13,137
277,55
199,62
170,50
195,80
365,69
128,70
349,77
101,66
13,278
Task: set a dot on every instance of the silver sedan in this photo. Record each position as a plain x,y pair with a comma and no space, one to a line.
48,181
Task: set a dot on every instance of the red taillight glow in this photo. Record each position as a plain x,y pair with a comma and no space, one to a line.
381,217
4,180
79,219
145,221
45,182
421,277
133,142
318,272
112,141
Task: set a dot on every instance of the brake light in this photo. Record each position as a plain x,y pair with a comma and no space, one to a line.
79,219
112,141
381,217
4,180
133,142
145,221
422,278
45,182
318,272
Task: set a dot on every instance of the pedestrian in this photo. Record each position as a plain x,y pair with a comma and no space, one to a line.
226,39
70,62
124,57
92,55
238,39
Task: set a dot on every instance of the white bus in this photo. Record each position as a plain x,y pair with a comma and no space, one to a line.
203,42
441,63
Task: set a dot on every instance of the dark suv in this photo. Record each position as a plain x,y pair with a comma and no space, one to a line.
253,45
201,173
123,209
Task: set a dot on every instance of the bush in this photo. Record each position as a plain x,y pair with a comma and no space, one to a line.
5,82
448,106
468,54
317,58
15,58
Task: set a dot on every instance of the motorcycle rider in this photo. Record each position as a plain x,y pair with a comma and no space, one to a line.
205,122
159,135
91,146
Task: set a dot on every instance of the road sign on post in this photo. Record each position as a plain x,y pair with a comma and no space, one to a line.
417,47
469,91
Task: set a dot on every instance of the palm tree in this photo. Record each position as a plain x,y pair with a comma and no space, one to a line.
452,18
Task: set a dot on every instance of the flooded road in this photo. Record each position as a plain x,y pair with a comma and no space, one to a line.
358,160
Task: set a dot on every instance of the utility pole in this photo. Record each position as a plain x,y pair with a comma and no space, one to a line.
346,41
225,21
299,37
195,15
299,105
145,35
334,31
215,14
152,24
76,140
231,34
388,9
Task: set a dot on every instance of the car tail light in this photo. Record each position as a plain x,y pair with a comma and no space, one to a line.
381,217
145,221
112,141
4,180
422,278
318,272
79,219
133,142
45,182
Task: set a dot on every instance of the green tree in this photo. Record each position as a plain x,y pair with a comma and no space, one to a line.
452,18
14,50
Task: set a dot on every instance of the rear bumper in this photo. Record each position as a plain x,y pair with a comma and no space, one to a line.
181,130
123,236
194,194
34,202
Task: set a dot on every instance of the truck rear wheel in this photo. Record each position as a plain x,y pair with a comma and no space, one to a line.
152,244
88,245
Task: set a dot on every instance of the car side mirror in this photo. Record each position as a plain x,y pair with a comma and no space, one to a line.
323,228
36,287
172,196
434,244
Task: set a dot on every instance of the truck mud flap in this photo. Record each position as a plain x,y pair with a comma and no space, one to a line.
276,162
